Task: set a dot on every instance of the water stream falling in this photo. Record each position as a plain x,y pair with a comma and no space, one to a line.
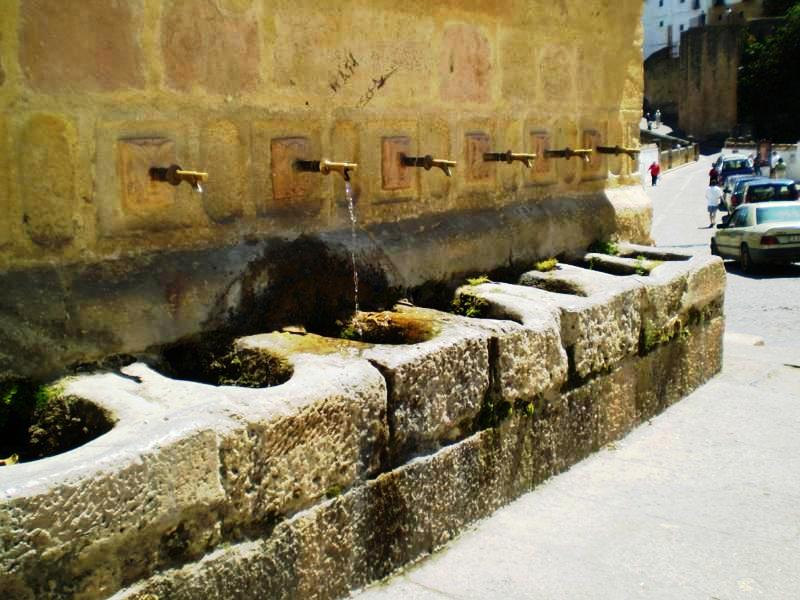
348,192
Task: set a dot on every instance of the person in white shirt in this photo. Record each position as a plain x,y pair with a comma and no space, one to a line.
773,162
713,198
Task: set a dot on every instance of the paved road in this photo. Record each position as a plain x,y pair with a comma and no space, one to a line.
766,304
704,502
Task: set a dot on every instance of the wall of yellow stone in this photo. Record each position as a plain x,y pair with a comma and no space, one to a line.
94,92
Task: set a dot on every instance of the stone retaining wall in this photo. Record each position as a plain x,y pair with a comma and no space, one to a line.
369,456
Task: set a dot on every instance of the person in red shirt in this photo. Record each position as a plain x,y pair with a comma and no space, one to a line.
713,174
655,171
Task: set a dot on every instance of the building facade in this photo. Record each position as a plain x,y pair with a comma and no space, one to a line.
665,20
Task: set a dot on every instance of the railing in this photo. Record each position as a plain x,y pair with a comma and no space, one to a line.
670,159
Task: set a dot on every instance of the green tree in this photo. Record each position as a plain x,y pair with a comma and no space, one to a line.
769,92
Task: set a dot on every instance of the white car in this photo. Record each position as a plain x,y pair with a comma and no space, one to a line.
758,234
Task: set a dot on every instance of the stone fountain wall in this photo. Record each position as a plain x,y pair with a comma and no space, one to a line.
97,259
371,455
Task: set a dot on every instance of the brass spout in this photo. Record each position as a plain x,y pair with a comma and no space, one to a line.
633,153
509,157
583,153
326,167
174,175
427,162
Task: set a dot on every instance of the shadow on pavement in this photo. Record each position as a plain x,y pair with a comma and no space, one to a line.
764,272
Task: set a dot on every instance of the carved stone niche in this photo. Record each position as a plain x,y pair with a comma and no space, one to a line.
394,176
141,196
593,168
543,171
289,184
477,169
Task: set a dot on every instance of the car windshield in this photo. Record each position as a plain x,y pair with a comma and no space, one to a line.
772,214
732,165
761,193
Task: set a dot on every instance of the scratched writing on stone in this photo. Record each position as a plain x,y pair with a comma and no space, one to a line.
344,72
374,87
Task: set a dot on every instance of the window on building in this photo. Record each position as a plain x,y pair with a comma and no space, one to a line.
661,23
681,28
661,2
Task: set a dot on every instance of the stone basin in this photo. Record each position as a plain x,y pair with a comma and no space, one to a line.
186,467
368,456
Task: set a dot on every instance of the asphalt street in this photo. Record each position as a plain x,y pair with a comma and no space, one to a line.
702,502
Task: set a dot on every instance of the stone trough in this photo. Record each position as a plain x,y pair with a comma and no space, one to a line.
370,455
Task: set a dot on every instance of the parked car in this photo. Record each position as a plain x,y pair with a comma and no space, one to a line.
735,187
768,190
760,233
734,166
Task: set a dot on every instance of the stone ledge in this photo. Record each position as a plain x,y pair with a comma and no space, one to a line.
193,475
186,467
378,527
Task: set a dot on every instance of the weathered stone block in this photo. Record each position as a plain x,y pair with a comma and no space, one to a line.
46,155
705,281
198,42
529,361
633,213
598,330
376,528
224,155
325,430
437,387
466,65
186,466
96,48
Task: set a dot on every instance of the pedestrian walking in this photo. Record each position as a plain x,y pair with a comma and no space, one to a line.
713,198
773,162
780,169
655,171
713,174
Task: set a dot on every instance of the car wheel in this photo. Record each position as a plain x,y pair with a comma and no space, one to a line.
745,260
714,249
